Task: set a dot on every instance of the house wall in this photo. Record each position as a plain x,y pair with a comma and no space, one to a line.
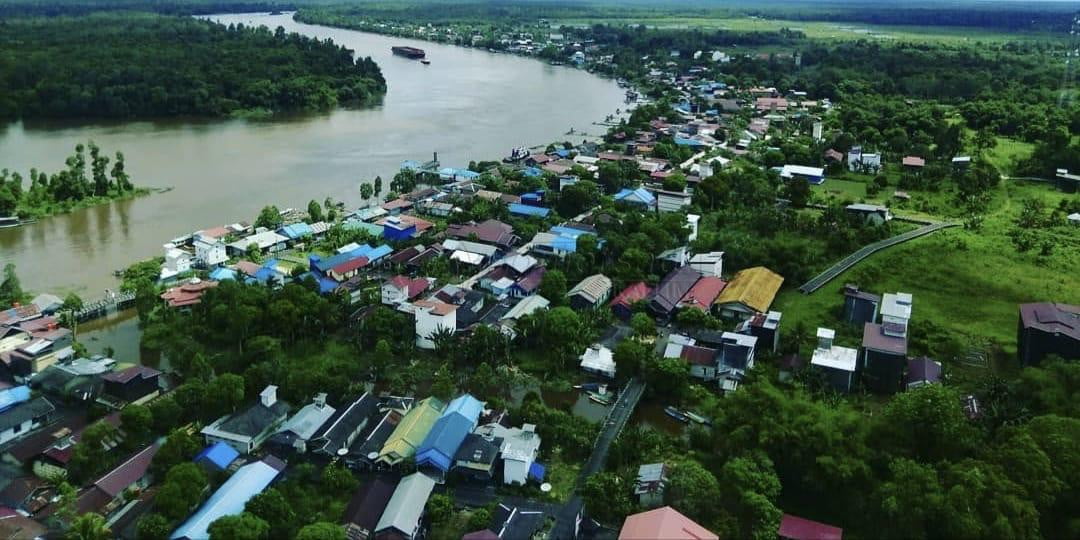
883,372
392,295
1033,345
134,390
579,302
244,445
706,373
210,255
17,431
733,310
859,311
839,379
428,324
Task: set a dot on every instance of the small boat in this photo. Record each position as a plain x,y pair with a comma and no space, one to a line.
591,387
426,62
696,417
517,154
676,414
10,221
598,398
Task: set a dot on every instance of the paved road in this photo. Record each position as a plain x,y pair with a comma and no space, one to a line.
847,262
616,420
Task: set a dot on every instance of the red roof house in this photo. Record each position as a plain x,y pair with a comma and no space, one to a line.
702,294
187,294
663,524
797,528
622,304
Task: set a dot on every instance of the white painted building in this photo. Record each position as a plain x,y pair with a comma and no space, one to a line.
209,251
433,316
177,261
709,264
837,364
598,360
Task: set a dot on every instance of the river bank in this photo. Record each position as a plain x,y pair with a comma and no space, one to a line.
469,103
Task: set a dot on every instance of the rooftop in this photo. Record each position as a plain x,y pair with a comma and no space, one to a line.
753,287
663,523
1052,318
836,357
875,337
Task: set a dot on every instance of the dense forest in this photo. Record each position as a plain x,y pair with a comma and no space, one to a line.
150,66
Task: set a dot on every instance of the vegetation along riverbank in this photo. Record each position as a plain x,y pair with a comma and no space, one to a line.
88,180
149,66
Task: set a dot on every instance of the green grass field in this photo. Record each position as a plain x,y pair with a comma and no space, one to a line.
828,30
968,282
1006,152
840,190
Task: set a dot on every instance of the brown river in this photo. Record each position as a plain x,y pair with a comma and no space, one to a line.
468,104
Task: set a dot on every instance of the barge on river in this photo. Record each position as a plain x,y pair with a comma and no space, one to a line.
408,52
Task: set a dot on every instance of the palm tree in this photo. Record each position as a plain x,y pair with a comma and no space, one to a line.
89,526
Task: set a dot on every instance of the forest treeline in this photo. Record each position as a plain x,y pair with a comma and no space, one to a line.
144,65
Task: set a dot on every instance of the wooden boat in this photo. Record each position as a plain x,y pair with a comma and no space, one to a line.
600,398
696,417
676,414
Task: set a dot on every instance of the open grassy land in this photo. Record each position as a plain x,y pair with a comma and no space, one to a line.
1007,152
828,30
967,282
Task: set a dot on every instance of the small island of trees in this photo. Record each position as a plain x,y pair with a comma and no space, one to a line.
43,194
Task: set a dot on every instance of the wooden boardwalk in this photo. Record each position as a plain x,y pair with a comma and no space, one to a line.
828,275
104,306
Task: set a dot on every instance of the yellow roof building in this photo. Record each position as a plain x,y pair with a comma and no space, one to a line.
412,430
751,291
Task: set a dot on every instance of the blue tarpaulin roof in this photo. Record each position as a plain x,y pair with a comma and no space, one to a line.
219,454
536,471
532,172
442,442
228,500
526,210
14,396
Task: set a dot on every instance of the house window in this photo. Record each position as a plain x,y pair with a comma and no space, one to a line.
17,428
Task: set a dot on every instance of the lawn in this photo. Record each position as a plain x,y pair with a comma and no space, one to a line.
840,189
966,282
562,476
828,30
1006,152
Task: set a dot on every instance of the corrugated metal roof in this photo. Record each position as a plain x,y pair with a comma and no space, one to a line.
229,499
407,504
753,287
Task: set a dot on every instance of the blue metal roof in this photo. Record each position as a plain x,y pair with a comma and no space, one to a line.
296,230
526,210
222,274
639,195
688,142
442,442
219,454
229,500
562,152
